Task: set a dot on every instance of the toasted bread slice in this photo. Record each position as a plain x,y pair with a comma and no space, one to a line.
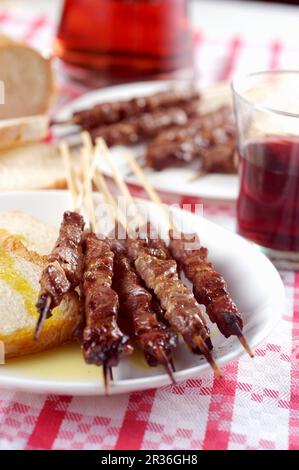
32,166
20,271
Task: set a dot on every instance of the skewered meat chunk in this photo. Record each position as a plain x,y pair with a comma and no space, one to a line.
217,119
155,246
182,311
68,249
113,112
220,159
155,339
208,138
103,341
65,264
153,243
54,285
141,127
209,286
175,154
220,155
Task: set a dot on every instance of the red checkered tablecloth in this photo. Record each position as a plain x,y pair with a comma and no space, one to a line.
255,405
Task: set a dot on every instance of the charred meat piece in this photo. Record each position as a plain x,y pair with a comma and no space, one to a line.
103,341
209,286
63,272
175,154
209,139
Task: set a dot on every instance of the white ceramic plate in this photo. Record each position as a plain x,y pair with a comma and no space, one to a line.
252,280
173,180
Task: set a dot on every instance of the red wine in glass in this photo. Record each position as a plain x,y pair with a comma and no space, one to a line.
268,205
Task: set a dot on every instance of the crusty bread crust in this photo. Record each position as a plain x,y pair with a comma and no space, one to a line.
61,331
23,69
57,184
58,329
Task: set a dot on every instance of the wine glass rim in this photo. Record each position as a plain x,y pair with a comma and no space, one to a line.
254,104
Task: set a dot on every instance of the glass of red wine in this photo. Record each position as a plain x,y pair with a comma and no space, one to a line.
267,113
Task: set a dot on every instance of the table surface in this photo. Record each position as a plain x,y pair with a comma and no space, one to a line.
256,404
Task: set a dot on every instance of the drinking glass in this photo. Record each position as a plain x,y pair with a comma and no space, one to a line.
267,114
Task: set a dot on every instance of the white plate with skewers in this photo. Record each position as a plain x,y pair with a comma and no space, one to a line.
252,280
174,181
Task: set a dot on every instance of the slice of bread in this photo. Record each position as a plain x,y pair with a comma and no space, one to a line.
20,270
32,166
20,131
32,233
28,80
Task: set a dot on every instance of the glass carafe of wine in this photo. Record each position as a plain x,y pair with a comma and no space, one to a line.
126,39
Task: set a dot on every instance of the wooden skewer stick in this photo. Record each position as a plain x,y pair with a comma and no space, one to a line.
80,194
89,166
198,174
205,351
101,146
87,143
65,153
61,122
88,188
101,185
73,181
168,366
156,198
243,340
99,180
148,187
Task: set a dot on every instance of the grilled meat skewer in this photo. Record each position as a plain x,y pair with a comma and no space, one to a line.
63,272
209,287
142,127
115,111
103,342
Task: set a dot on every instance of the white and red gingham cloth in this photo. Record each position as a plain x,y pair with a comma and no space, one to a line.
256,404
